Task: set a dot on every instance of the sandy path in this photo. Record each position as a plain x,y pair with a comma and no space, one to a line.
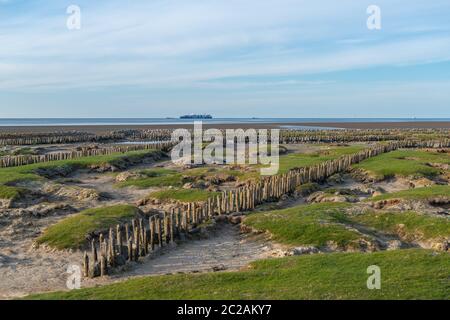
104,185
22,273
226,249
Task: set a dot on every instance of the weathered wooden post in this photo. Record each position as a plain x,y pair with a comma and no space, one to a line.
127,233
171,226
166,228
94,251
130,250
111,253
136,243
119,239
86,265
185,222
145,241
103,268
152,232
159,226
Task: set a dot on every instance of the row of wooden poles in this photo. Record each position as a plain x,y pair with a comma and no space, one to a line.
141,237
22,139
286,136
20,160
273,187
116,248
346,138
328,136
149,134
292,136
27,138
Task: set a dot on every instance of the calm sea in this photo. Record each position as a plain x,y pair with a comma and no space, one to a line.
145,121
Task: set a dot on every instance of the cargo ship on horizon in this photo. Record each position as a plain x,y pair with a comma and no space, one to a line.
196,116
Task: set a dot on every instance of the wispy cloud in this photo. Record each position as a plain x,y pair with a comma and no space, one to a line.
184,44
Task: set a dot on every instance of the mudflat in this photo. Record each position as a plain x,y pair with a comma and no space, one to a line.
345,125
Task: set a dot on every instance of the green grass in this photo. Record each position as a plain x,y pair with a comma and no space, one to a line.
424,193
14,175
70,233
183,195
160,177
239,174
306,189
410,226
297,160
315,224
24,151
20,151
165,178
405,274
157,177
403,163
307,225
10,193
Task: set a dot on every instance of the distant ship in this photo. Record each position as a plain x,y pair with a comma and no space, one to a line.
196,116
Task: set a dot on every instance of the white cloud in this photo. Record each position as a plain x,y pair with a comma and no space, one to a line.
188,43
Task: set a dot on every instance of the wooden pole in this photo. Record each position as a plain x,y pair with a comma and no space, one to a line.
86,264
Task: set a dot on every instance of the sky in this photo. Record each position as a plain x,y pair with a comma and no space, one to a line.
228,58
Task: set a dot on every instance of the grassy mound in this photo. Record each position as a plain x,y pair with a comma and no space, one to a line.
10,193
316,224
405,274
70,233
183,195
410,226
312,225
158,177
405,163
298,160
417,193
306,189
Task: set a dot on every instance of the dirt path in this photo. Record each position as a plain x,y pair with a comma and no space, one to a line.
225,249
104,185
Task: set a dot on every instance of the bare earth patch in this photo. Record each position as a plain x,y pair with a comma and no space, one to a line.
225,249
23,269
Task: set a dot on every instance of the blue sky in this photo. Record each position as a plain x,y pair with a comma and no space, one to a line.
230,58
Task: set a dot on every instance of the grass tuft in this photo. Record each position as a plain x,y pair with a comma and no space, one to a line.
71,232
10,193
409,226
424,193
405,163
183,195
307,225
